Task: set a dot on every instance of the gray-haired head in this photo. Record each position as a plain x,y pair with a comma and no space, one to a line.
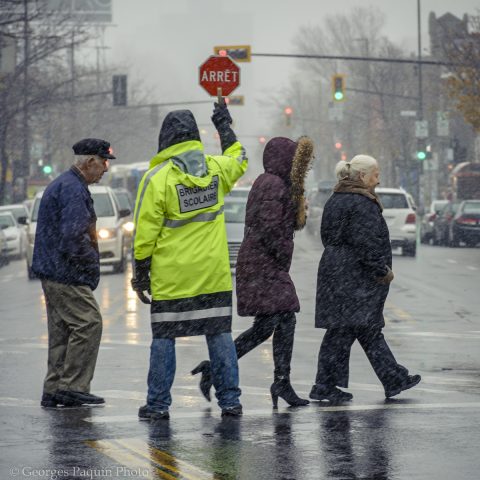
353,169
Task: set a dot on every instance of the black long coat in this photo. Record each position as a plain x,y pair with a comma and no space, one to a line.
357,251
263,283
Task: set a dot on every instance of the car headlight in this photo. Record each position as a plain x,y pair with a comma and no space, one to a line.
106,233
128,227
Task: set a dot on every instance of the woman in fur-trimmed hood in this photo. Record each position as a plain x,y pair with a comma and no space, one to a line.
275,209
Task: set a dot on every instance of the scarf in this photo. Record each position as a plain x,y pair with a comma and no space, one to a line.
345,185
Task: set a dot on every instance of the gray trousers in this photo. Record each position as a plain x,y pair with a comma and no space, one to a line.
74,333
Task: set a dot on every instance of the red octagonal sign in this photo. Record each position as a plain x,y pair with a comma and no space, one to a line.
219,72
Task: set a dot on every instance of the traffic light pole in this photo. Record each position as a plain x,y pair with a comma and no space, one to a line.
360,59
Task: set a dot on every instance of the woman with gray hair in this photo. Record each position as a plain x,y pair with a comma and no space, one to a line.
353,282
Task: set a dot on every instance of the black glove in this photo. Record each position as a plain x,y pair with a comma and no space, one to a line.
222,120
141,278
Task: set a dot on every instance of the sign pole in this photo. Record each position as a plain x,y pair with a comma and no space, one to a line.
220,96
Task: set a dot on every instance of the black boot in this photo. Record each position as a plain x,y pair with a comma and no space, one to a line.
206,380
282,388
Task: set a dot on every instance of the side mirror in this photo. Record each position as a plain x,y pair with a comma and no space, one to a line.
124,212
22,220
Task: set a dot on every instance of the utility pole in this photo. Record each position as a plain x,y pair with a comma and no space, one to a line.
25,162
420,90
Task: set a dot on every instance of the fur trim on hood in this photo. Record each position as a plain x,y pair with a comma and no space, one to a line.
302,162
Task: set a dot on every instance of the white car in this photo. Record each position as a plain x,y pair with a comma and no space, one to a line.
14,235
399,213
112,240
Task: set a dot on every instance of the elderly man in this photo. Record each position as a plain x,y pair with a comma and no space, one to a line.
66,260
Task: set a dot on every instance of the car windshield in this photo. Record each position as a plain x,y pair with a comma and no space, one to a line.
471,207
438,205
235,212
123,201
239,193
393,200
6,221
102,205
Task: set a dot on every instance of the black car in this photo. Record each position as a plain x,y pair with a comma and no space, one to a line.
465,226
441,224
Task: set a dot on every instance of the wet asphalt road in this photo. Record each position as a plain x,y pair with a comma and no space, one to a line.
429,432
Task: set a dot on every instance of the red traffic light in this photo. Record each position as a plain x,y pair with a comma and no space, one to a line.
338,145
288,110
262,139
222,53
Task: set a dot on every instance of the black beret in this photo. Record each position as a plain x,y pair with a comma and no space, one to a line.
93,146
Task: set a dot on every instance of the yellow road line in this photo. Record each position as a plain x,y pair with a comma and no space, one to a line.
400,313
122,456
136,453
141,447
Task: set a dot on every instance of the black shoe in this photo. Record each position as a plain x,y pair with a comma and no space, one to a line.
409,382
206,380
49,400
283,389
332,394
235,411
73,399
148,413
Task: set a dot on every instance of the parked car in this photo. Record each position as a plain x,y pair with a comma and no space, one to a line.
112,240
14,234
465,226
19,211
441,224
3,249
235,210
426,226
399,213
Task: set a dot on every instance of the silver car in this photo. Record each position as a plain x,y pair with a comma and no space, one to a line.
235,209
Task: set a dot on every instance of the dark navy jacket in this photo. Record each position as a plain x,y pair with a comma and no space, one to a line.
357,252
66,249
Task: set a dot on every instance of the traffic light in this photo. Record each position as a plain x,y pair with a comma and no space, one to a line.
421,153
288,115
239,53
119,87
338,145
47,169
338,87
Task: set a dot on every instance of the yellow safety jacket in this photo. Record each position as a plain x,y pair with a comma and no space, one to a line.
179,223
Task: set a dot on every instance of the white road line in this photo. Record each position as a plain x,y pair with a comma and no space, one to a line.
469,267
450,260
468,335
319,405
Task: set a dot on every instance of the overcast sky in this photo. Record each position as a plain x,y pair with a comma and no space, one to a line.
164,42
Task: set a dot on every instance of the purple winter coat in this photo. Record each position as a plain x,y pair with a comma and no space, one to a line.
263,283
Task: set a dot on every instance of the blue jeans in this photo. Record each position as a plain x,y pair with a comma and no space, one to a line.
224,366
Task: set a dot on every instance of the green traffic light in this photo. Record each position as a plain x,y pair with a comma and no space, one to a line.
47,169
421,155
338,96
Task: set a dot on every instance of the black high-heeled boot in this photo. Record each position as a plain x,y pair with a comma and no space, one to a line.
206,379
282,388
